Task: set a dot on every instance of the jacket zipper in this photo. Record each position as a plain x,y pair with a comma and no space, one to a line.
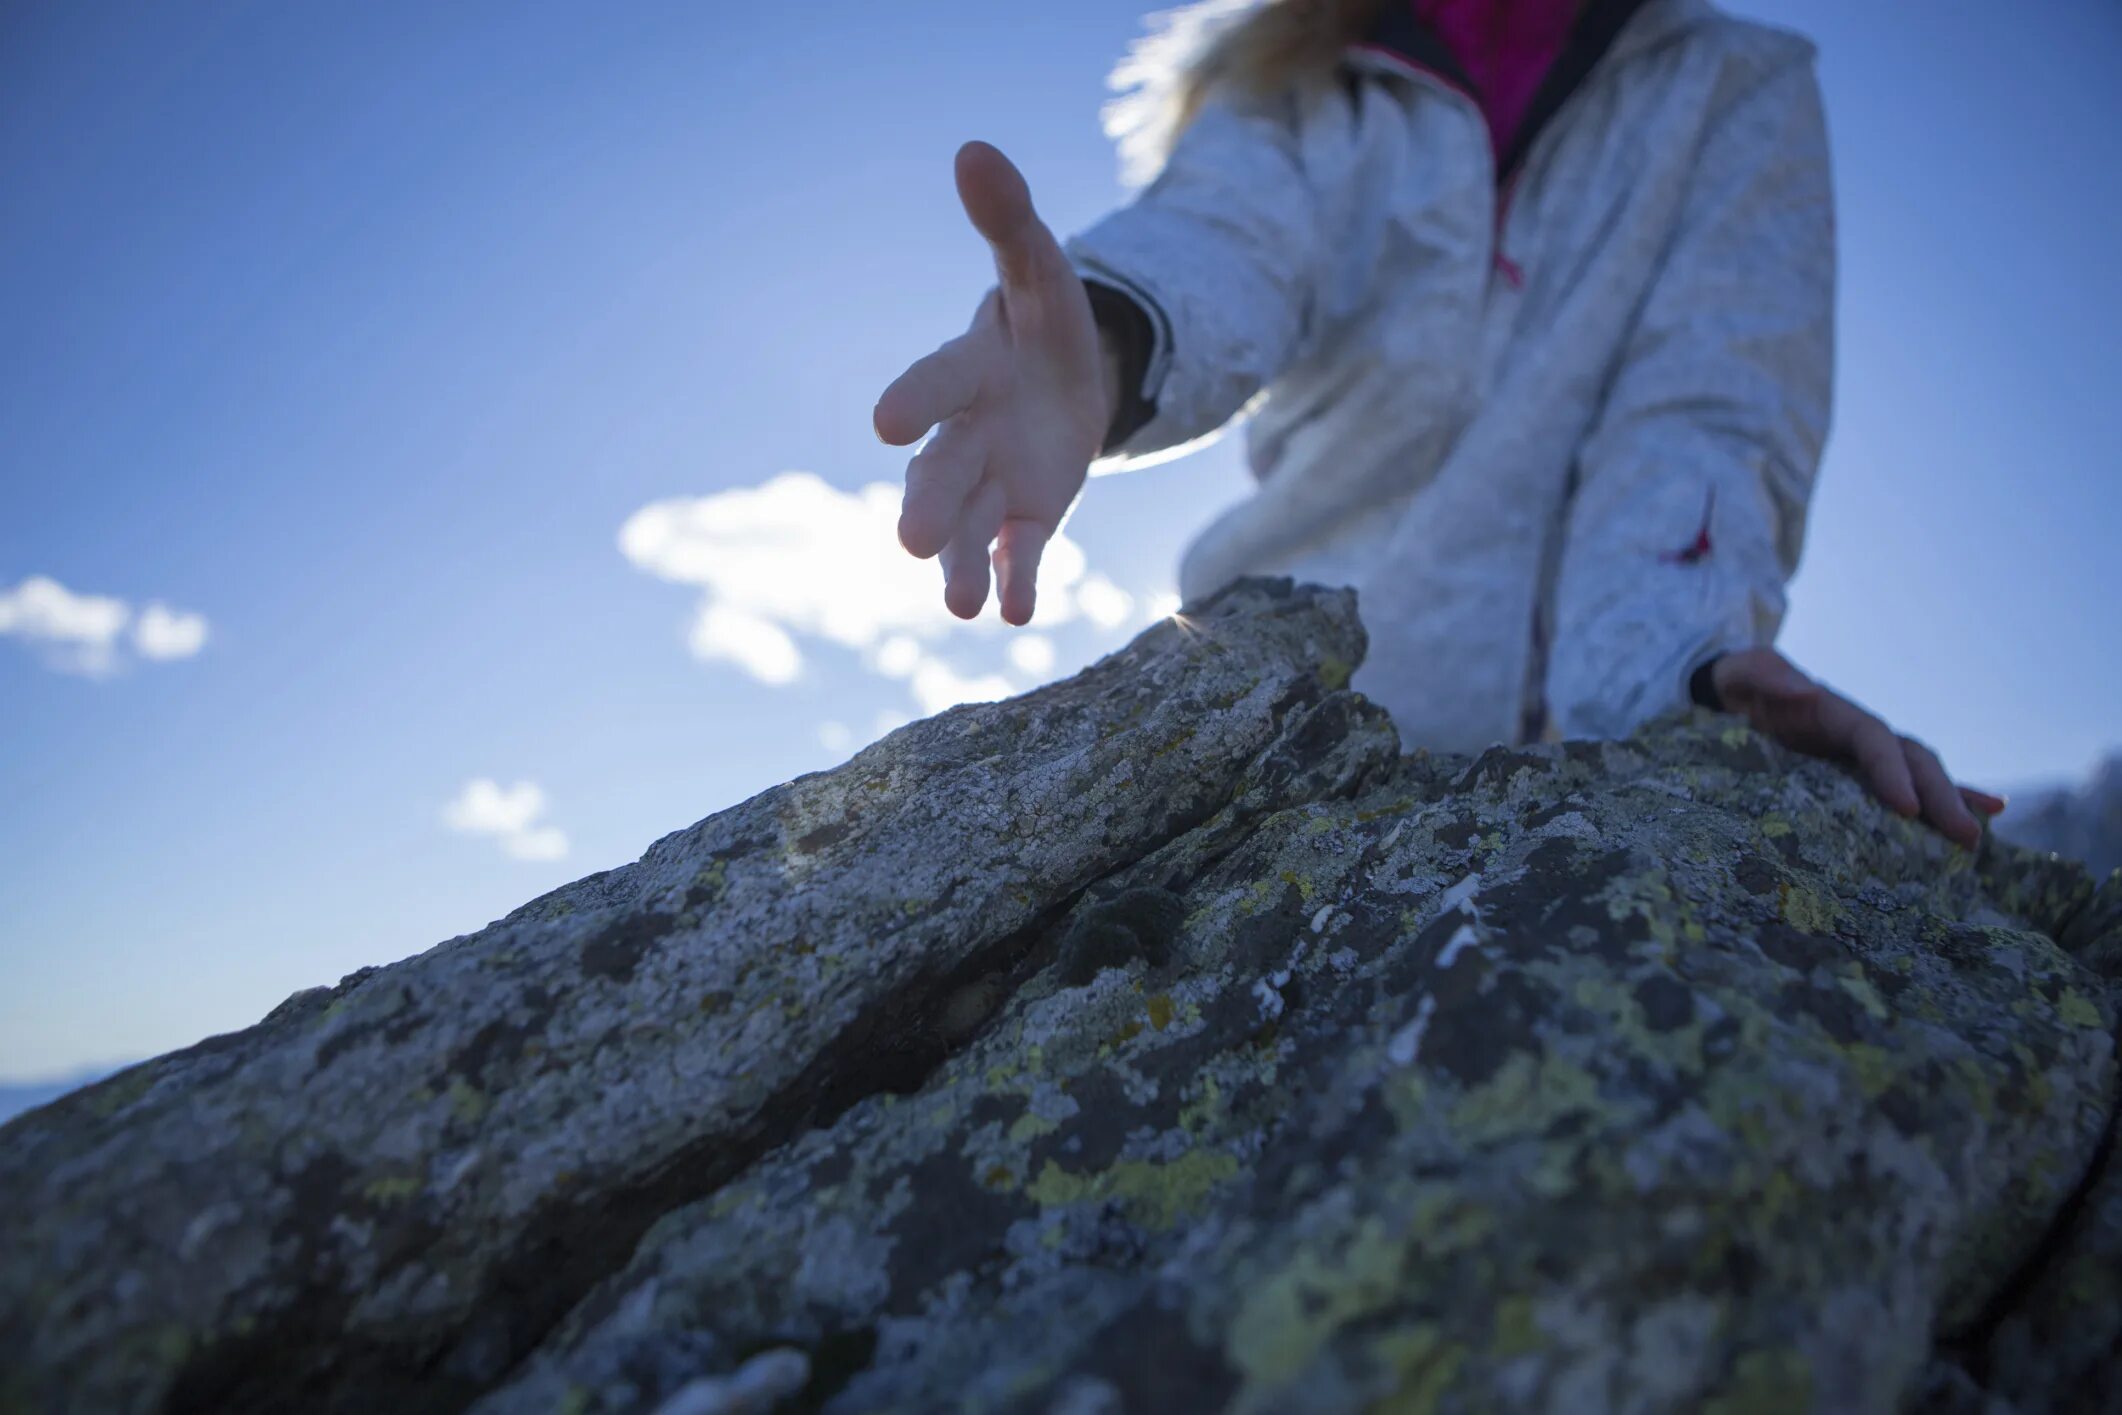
1412,49
1601,25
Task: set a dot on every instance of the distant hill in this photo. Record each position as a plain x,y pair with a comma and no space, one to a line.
2082,822
28,1095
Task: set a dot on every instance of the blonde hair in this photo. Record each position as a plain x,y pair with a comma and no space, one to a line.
1257,48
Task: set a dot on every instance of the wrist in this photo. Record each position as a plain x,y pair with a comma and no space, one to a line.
1126,339
1112,374
1702,684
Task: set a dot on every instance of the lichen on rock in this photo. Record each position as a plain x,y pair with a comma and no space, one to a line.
1164,1039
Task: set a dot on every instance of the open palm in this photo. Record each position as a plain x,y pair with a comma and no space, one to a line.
1019,404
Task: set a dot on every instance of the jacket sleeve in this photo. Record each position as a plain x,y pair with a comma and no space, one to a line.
1690,492
1219,252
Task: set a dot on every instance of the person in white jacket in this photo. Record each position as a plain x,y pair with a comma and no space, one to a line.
1529,305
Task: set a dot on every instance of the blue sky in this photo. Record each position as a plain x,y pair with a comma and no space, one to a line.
353,336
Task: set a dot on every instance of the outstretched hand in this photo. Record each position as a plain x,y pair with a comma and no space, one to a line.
1769,691
1020,403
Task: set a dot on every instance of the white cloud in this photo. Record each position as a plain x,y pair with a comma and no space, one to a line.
509,814
1161,606
759,646
165,633
1032,653
803,554
1105,602
42,608
897,657
78,633
835,736
484,807
794,561
938,686
82,633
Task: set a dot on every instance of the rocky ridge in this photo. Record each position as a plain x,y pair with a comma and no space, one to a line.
1162,1039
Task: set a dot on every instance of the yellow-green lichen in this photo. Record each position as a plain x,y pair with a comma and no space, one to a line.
119,1092
2077,1009
1154,1193
730,1200
1865,995
1029,1127
1617,1003
1765,1383
390,1189
1803,909
1648,896
1514,1332
1446,1219
1287,1319
1553,1172
1174,745
466,1101
1424,1363
1524,1097
1974,1088
1874,1068
712,880
1205,1110
1779,1196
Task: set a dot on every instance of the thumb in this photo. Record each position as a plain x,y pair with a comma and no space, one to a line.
999,204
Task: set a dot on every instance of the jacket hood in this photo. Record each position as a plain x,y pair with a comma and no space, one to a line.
1143,118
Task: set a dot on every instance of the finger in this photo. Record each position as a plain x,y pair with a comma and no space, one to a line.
933,388
938,480
1871,745
965,558
999,204
1942,805
1983,802
1017,554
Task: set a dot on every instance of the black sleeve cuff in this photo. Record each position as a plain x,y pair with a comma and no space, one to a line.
1702,686
1126,324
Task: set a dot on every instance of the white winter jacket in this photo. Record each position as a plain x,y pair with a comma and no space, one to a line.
1561,442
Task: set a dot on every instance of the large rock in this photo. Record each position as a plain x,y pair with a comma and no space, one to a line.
1159,1040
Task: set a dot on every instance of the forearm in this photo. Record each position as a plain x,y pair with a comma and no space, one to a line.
1205,281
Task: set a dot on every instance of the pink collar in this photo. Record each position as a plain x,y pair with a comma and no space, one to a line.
1506,48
